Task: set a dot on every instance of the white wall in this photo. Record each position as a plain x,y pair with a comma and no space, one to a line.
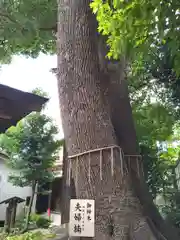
7,190
54,217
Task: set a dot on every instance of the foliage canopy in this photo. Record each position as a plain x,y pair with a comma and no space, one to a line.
139,26
27,27
32,149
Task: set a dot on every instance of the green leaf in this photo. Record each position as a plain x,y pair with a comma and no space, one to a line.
32,148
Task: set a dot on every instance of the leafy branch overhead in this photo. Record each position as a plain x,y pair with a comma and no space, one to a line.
137,27
27,28
147,31
131,26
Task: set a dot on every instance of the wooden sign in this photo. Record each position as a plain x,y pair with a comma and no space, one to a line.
82,218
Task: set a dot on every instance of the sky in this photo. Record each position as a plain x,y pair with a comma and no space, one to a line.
27,74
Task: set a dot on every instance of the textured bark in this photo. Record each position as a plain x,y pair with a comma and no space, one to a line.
30,207
79,80
124,129
87,125
121,115
65,189
68,190
115,90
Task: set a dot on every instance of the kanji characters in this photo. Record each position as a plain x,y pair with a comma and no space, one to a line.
89,205
77,228
77,216
89,211
82,218
78,207
89,218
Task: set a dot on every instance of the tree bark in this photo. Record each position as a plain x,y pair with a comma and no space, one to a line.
30,207
124,130
87,125
65,189
68,189
140,186
115,90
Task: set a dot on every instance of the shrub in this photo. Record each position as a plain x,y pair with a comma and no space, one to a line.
40,221
3,236
29,236
43,222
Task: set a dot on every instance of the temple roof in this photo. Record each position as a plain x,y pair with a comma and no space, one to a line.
16,104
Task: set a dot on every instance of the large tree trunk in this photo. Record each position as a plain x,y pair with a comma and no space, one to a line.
115,90
140,186
87,125
124,130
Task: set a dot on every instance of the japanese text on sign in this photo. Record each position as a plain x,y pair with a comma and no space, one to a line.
82,217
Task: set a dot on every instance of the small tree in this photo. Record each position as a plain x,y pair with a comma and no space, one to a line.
32,150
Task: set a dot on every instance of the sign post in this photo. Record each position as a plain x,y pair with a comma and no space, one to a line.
82,218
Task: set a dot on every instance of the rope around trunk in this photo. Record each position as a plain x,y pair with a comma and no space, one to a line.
126,165
138,159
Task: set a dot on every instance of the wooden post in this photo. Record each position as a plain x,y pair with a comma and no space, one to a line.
49,201
7,221
65,189
13,213
10,212
7,224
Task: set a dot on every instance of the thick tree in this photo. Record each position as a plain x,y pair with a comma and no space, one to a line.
155,127
116,113
88,125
